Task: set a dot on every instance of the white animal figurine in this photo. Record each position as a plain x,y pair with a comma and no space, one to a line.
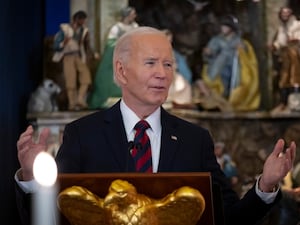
43,98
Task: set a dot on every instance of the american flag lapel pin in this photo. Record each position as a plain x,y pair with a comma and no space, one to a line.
173,137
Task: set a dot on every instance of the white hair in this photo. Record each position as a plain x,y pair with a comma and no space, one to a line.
124,44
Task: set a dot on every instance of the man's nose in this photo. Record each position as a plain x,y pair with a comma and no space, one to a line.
162,71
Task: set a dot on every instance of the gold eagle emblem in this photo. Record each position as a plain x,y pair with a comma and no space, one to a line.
123,205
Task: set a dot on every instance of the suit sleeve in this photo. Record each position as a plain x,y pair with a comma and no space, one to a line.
247,210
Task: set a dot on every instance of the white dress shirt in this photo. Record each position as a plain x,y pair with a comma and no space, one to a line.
154,133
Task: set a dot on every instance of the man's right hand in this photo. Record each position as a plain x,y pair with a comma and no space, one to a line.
28,150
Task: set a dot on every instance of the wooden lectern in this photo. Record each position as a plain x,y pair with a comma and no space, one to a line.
156,185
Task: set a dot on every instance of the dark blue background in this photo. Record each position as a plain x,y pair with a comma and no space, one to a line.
57,11
24,25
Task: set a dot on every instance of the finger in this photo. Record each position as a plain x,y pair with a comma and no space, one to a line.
25,137
288,163
22,150
44,136
21,143
278,147
28,131
290,156
293,151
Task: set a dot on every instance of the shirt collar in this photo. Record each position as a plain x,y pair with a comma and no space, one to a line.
130,119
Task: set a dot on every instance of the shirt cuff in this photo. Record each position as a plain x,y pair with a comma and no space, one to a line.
267,197
27,186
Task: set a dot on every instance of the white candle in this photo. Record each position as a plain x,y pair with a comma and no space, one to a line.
44,201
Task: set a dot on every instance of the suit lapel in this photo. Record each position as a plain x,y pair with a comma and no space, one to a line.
169,142
117,139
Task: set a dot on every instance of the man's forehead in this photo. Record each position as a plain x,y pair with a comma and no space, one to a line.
152,43
151,52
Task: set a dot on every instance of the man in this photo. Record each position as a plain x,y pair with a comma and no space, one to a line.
285,48
71,44
143,68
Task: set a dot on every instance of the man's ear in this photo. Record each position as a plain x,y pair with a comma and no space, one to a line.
120,72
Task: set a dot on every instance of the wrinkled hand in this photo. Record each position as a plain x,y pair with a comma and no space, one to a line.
28,149
277,165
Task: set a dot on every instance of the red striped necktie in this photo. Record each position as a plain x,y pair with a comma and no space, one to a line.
141,151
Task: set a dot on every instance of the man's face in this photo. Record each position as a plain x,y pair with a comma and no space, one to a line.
148,71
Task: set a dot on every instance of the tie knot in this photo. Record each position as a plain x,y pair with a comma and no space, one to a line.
142,125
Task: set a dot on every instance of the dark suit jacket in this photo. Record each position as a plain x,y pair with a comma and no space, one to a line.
98,143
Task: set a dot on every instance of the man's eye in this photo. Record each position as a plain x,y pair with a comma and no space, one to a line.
169,65
150,62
